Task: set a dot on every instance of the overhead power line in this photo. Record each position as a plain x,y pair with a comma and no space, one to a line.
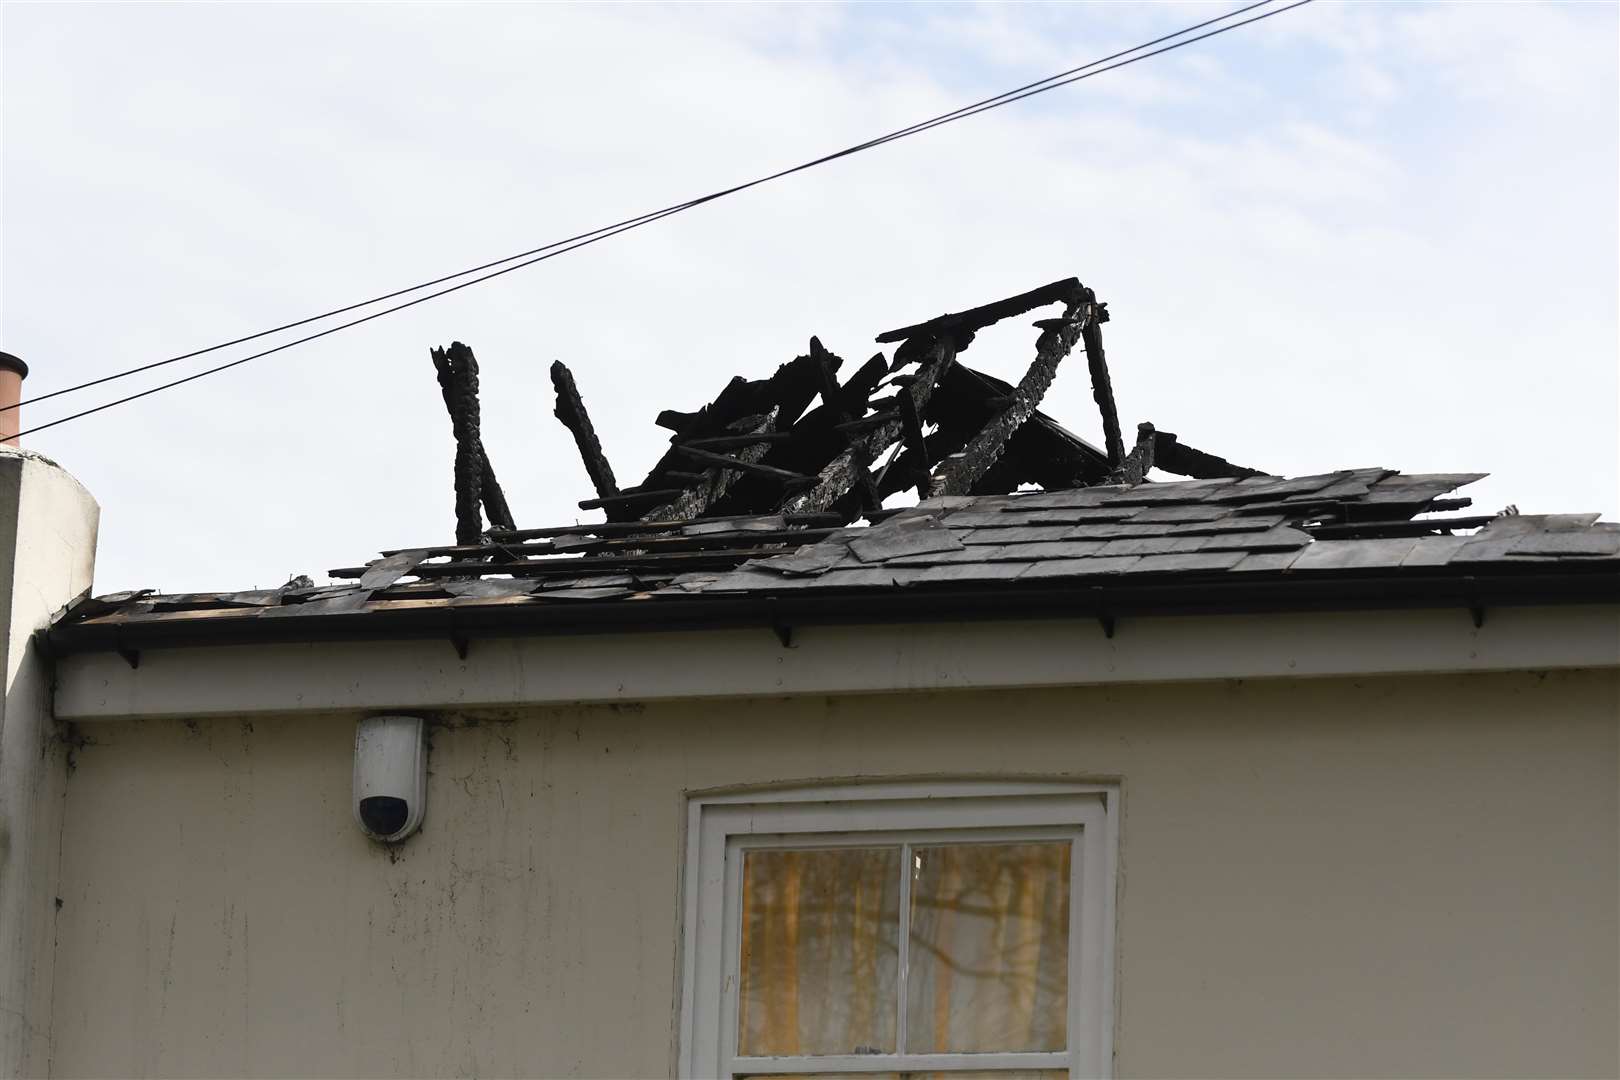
1111,62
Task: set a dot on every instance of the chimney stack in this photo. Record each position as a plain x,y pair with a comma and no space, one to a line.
12,373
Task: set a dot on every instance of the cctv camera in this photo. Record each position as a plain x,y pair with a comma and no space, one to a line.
390,776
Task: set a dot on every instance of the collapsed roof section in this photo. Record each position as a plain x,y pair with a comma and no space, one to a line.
749,516
823,437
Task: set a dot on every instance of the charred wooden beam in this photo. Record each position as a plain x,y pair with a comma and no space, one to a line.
629,498
844,471
475,481
911,433
710,458
843,407
571,411
637,528
1403,527
694,501
729,442
964,324
1102,386
1176,457
1135,467
1058,337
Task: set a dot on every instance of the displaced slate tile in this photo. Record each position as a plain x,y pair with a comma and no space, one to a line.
1578,544
349,601
1353,485
589,581
886,542
384,572
1048,549
1257,488
1079,568
1355,554
1153,545
1024,534
1114,531
1186,562
807,562
1418,487
1266,561
1519,524
997,571
490,587
948,502
1089,496
747,579
1177,514
1079,515
979,519
1276,538
1152,494
1434,550
975,553
605,593
1501,537
1245,523
865,577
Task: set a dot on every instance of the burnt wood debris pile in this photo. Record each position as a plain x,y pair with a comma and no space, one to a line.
773,464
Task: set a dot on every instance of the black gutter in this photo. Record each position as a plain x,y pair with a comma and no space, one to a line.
1103,600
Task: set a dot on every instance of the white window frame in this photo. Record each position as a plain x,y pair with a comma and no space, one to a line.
916,812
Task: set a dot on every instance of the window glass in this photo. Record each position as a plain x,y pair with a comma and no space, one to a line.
989,948
820,952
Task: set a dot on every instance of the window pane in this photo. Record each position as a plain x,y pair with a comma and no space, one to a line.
820,952
1012,1074
989,948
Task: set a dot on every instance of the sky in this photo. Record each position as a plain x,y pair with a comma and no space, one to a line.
1351,235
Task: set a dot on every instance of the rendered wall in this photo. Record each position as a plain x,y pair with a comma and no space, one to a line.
1396,877
47,553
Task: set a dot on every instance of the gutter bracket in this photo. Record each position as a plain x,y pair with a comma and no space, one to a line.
1471,598
1105,618
784,632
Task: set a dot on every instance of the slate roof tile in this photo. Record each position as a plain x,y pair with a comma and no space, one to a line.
1019,534
1061,568
1186,562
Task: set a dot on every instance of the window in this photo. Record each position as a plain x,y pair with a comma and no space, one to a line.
954,930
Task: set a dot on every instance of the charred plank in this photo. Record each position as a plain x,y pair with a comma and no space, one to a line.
571,411
1174,456
694,501
754,468
1102,386
1134,469
1058,337
844,471
967,323
475,482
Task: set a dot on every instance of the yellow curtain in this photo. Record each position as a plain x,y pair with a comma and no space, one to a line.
820,951
988,946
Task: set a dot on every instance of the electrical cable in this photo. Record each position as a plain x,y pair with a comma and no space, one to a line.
562,247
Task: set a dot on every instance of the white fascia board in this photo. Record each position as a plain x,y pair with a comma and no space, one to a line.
569,669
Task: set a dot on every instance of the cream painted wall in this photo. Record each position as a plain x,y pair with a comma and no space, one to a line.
1391,877
47,555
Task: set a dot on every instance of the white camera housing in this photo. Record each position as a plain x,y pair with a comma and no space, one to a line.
390,776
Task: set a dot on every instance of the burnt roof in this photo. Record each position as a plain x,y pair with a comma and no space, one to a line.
753,515
1355,538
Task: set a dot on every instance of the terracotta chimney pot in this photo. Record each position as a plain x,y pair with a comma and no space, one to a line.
12,373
